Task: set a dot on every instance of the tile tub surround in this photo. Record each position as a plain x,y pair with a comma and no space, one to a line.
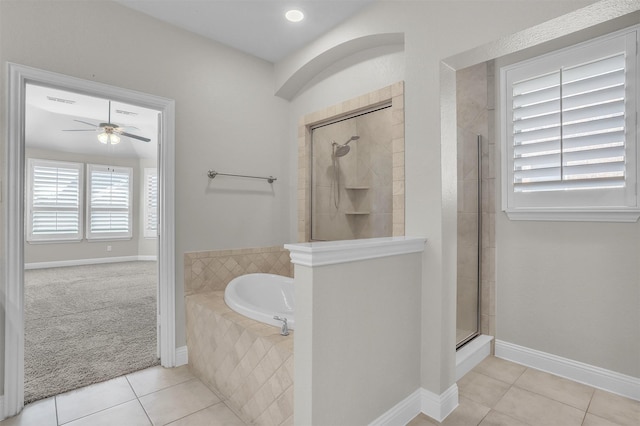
393,94
212,270
247,363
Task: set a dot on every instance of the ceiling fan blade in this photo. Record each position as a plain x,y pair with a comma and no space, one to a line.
135,136
85,122
78,130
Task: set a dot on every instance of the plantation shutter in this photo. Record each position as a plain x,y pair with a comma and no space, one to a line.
570,132
109,209
569,128
150,203
54,201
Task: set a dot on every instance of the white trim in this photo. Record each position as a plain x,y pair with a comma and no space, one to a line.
597,377
182,356
94,261
438,407
333,252
628,216
472,354
13,261
401,413
2,416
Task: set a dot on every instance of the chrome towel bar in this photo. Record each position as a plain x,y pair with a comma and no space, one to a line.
212,174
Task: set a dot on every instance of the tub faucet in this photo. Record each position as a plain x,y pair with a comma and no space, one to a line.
285,328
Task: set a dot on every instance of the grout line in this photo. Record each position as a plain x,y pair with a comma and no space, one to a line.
55,405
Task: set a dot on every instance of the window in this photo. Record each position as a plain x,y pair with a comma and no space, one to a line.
54,200
150,203
570,133
109,202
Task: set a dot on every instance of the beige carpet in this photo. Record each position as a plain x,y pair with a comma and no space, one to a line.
87,324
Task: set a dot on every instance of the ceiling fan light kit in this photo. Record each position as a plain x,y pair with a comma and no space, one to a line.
110,134
109,138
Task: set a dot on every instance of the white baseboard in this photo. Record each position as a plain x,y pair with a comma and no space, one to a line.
182,356
435,406
95,261
472,354
402,413
596,377
438,407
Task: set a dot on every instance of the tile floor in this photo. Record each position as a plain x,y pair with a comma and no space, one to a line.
496,392
502,393
155,396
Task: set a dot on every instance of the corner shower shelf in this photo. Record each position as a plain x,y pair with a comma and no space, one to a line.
356,187
356,213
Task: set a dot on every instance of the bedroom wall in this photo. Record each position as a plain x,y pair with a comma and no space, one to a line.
52,252
226,115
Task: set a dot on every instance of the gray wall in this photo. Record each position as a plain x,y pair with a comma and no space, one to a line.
137,245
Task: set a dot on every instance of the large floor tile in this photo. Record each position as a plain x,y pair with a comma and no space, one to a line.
216,415
130,414
495,418
615,408
156,378
482,389
39,413
422,420
503,370
468,413
535,409
591,420
178,401
566,391
91,399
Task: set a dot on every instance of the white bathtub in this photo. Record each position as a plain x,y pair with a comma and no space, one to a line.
261,296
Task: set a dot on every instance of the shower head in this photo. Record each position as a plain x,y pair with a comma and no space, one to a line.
342,150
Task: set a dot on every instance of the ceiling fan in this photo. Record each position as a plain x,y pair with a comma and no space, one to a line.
110,132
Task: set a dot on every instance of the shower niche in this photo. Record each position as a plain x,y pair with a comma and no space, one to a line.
351,169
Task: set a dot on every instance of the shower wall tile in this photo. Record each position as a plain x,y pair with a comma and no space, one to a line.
212,270
363,175
247,363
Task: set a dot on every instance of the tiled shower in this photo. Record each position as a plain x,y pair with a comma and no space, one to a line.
476,202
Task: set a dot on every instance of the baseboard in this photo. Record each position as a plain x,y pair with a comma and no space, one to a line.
596,377
95,261
472,354
402,413
435,406
182,356
438,407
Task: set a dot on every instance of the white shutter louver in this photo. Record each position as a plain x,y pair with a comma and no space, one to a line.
54,201
109,208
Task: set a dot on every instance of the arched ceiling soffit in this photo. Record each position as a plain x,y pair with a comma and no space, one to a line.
308,70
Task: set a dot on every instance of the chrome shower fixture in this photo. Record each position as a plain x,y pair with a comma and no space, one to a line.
342,150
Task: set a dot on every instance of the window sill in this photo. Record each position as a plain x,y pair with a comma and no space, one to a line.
628,216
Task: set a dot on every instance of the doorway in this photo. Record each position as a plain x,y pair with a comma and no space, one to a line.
90,252
19,78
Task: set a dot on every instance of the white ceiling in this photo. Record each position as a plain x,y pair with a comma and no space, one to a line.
49,112
257,27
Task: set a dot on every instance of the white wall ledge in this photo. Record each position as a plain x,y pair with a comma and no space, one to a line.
333,252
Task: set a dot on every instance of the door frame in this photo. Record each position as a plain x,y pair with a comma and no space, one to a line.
13,188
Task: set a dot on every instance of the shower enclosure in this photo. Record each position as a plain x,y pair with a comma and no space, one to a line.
476,203
351,177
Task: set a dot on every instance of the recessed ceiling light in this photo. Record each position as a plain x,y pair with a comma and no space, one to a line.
294,15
